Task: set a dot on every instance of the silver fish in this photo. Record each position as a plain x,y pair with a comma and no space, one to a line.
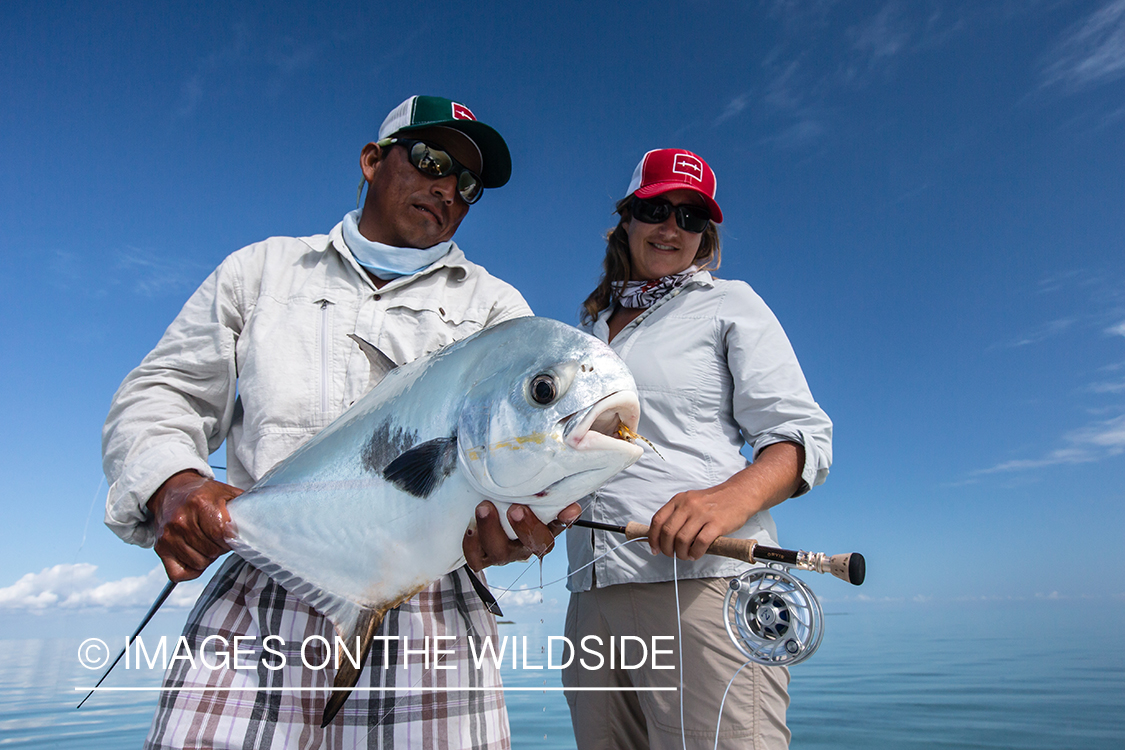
374,507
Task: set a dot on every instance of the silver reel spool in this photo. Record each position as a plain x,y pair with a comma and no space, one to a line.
773,617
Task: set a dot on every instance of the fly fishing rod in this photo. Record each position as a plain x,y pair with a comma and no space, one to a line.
482,590
148,616
850,567
771,616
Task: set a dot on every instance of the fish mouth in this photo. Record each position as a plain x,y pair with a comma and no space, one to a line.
598,426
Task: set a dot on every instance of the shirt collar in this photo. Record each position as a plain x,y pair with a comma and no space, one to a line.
600,327
701,278
455,260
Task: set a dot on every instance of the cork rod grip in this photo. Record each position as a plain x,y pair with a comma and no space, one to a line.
739,549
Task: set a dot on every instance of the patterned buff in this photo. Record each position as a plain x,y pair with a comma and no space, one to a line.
642,294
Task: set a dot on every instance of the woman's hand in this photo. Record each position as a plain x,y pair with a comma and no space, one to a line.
690,521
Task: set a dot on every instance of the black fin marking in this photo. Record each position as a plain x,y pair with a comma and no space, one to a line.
421,469
483,592
381,364
386,444
347,675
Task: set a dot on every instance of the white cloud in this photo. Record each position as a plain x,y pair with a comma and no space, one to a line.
523,597
1091,52
1109,435
873,599
78,587
1110,386
883,36
1117,330
1093,442
246,62
1048,330
733,109
783,91
154,274
799,135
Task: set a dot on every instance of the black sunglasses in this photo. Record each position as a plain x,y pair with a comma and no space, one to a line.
434,162
689,218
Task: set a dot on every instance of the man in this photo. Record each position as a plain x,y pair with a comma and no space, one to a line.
259,357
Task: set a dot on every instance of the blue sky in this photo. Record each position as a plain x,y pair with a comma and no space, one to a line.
930,195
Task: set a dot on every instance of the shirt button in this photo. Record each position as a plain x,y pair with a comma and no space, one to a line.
441,310
378,297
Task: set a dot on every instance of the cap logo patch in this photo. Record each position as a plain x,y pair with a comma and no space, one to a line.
461,112
689,166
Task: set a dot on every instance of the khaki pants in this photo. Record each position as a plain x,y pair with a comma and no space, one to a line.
754,712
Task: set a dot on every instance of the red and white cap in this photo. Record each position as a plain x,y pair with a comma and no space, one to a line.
666,169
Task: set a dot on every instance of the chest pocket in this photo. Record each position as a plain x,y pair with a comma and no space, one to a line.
415,326
291,359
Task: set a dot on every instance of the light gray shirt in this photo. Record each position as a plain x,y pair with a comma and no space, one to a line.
260,357
714,370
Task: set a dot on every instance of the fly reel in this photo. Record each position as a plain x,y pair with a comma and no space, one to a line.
770,615
773,617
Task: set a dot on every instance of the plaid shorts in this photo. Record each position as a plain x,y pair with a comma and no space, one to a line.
241,601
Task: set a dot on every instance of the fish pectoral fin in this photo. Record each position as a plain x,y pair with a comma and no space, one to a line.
420,470
347,672
381,364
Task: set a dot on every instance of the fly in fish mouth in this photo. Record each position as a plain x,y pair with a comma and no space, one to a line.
612,419
624,433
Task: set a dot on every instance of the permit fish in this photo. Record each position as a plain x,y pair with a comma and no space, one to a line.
374,507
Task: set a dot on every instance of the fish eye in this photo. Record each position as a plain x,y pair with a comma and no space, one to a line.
543,388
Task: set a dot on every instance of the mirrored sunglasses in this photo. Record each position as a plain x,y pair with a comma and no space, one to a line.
689,218
434,162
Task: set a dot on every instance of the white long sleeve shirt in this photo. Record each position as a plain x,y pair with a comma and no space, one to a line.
259,356
714,370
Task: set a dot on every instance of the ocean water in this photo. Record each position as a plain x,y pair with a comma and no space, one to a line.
1029,674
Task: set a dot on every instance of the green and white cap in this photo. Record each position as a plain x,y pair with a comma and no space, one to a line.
433,111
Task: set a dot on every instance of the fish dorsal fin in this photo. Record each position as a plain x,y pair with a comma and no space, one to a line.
381,364
421,469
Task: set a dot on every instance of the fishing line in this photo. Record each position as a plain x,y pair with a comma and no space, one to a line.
724,701
593,498
549,583
679,626
568,575
680,649
526,568
599,557
86,528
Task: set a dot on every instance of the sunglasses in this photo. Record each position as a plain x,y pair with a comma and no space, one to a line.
689,218
433,162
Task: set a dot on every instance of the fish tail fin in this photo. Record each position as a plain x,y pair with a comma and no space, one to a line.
347,675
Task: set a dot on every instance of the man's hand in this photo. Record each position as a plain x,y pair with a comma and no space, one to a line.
487,544
191,515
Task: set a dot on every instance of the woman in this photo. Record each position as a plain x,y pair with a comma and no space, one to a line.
714,369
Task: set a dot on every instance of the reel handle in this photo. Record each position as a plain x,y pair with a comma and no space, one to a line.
850,567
